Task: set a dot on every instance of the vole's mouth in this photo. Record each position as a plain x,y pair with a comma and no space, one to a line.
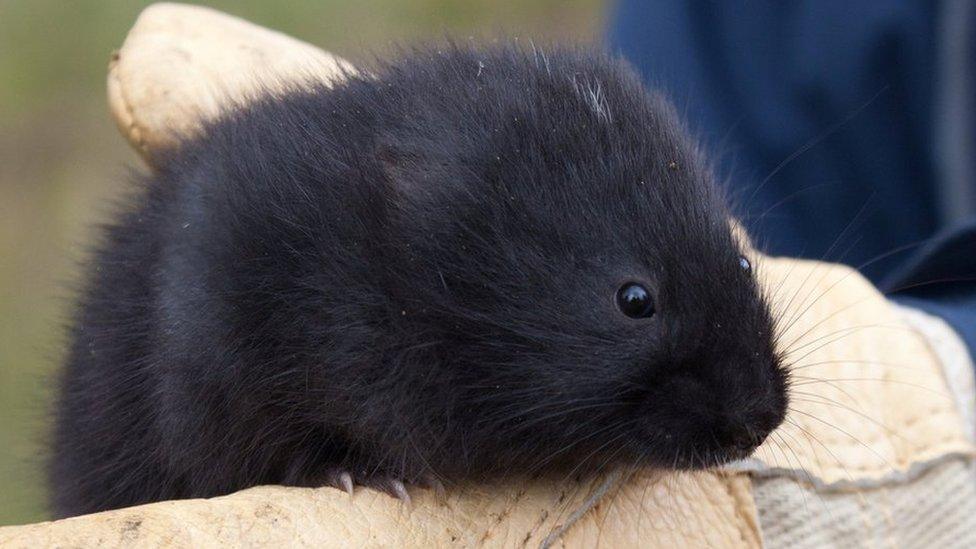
700,452
715,457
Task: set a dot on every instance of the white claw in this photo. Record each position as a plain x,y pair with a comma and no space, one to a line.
400,491
345,480
435,485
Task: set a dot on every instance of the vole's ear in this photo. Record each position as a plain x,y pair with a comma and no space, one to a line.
182,64
406,164
395,161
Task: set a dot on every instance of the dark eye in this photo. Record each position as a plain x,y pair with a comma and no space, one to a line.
744,263
635,301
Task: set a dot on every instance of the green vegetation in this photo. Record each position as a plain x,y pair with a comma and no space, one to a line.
62,161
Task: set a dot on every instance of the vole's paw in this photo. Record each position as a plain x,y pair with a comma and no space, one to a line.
338,478
390,485
346,480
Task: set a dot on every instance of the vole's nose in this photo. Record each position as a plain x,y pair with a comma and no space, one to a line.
741,438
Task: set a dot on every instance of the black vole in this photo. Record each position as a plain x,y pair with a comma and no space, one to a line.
463,264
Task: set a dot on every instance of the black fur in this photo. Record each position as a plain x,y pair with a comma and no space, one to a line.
414,274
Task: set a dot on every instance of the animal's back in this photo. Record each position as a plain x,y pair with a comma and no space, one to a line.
103,455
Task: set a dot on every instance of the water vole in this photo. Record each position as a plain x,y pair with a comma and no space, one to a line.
459,264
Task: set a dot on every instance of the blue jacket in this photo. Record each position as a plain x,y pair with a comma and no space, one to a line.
846,130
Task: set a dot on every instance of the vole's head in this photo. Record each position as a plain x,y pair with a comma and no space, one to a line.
566,280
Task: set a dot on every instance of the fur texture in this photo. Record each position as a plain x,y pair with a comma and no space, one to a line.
414,274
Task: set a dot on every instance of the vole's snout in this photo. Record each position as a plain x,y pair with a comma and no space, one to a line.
707,423
740,437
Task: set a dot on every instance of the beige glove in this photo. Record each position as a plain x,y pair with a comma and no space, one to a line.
869,407
181,63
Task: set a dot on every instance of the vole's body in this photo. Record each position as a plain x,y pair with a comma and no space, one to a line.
414,275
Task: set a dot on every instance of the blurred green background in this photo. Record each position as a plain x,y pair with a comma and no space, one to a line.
62,161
